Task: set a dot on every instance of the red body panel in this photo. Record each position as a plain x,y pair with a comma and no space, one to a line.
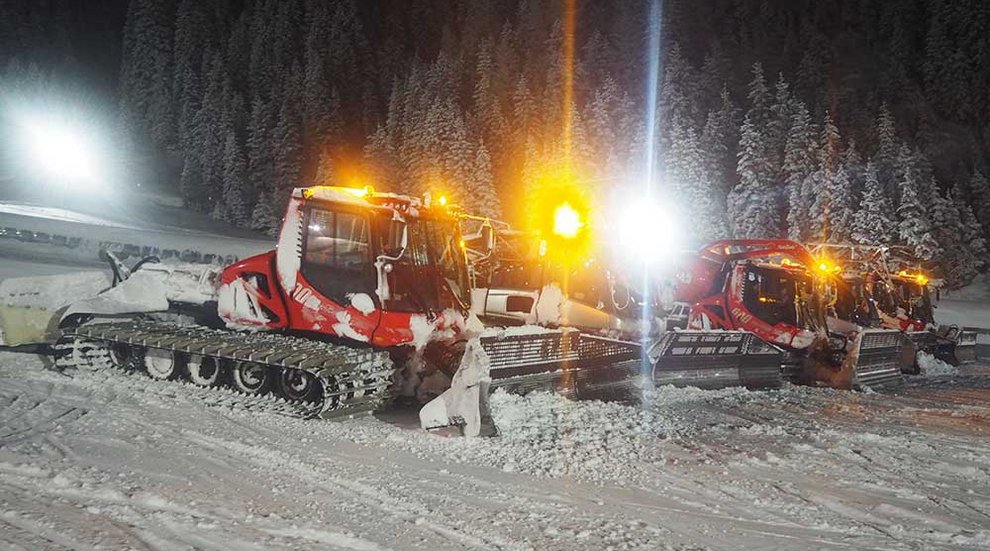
257,277
269,292
305,309
717,303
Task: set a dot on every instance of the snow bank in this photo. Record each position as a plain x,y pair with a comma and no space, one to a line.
978,290
930,365
547,434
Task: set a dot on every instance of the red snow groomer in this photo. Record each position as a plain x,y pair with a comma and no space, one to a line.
883,287
366,295
525,281
776,290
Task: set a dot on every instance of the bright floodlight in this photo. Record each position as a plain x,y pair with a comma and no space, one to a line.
566,221
647,233
60,151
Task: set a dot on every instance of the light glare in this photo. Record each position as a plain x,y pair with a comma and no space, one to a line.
566,221
647,233
61,152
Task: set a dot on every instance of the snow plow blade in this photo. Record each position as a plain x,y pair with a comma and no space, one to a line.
31,307
948,343
873,358
878,357
965,349
574,365
715,359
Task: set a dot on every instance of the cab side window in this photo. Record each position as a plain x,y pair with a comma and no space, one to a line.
337,254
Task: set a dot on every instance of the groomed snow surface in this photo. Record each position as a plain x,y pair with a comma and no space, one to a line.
115,461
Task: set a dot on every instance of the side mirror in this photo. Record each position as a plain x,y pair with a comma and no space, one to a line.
398,238
488,238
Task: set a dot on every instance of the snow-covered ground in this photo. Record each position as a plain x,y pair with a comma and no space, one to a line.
56,235
110,460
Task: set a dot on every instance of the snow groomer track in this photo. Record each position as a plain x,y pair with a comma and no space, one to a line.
349,380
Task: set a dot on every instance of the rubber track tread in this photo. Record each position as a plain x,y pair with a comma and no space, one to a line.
354,380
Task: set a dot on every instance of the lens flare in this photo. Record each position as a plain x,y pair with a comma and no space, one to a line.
566,221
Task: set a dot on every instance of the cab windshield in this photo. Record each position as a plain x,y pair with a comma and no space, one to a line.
914,299
431,274
852,304
774,296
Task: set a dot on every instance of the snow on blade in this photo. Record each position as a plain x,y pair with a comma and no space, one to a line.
240,306
549,304
462,403
144,291
932,366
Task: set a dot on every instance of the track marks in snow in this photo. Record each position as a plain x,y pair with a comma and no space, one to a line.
167,465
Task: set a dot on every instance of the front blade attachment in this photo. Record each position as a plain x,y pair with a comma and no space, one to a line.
878,357
715,359
566,362
948,343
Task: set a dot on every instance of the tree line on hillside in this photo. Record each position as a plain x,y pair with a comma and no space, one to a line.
835,120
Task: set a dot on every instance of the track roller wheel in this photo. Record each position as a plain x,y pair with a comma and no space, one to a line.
162,364
203,370
298,385
251,378
121,356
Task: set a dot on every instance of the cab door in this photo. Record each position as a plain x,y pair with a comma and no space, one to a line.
335,291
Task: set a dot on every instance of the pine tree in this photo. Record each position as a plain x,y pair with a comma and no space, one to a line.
719,143
800,151
487,111
971,232
264,218
316,110
263,67
213,126
842,209
602,114
146,106
190,42
286,159
260,175
481,188
677,102
191,186
233,209
693,184
887,152
955,260
824,187
779,125
752,204
853,161
524,107
873,223
316,115
979,196
326,174
914,223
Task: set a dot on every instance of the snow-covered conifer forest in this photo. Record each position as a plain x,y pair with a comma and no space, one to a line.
838,120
